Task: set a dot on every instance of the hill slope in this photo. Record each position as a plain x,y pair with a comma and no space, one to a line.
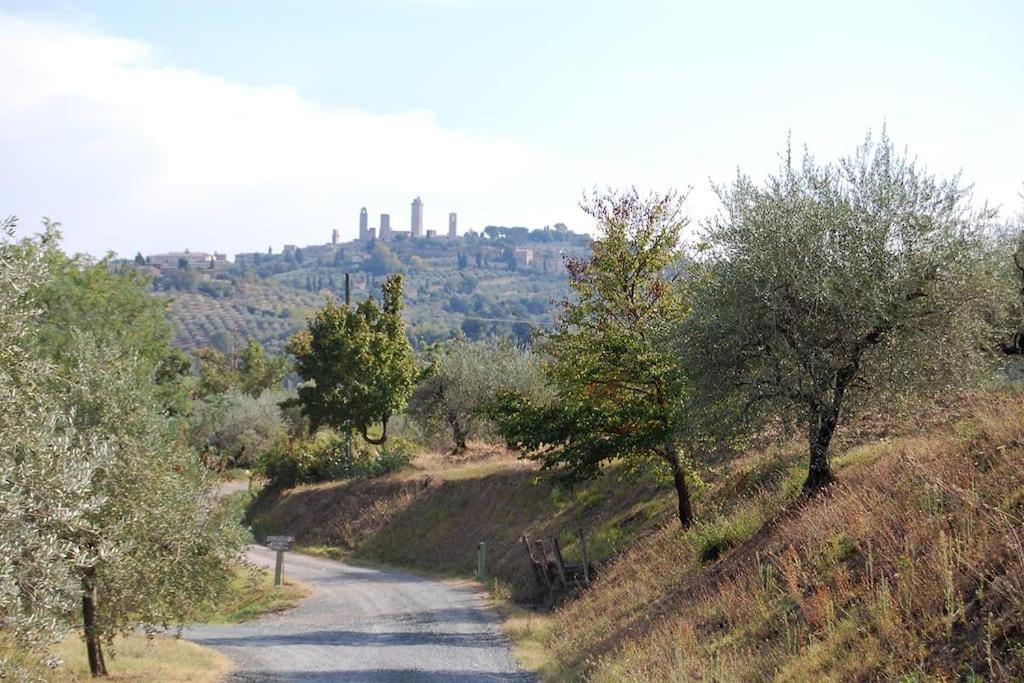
911,566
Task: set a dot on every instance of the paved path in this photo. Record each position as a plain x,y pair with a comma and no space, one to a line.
366,625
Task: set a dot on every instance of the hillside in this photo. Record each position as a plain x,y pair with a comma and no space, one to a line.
910,566
473,286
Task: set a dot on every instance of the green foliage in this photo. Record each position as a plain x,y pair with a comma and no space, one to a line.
102,506
465,379
233,428
382,260
325,457
248,369
831,286
618,385
357,365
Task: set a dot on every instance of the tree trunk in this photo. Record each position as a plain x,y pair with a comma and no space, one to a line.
93,645
459,434
383,434
819,471
685,511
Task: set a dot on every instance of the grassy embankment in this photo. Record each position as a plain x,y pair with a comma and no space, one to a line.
250,594
910,568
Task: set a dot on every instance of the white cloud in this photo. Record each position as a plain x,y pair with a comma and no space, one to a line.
132,154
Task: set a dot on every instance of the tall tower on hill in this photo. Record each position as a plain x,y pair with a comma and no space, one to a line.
364,225
417,217
452,221
385,227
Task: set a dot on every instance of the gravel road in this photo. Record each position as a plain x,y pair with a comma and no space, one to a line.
366,625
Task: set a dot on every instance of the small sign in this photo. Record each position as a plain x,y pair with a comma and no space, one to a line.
280,542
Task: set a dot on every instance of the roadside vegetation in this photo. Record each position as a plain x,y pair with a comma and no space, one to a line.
820,389
792,443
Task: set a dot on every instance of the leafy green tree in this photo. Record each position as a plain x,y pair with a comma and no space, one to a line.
382,260
258,372
618,384
231,429
107,523
249,369
114,305
832,286
357,365
465,379
157,543
45,474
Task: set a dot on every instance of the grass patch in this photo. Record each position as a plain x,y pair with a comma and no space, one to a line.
712,538
528,631
137,658
251,594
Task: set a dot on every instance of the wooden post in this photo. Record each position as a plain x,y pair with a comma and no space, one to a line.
544,562
586,560
481,562
348,290
559,562
278,568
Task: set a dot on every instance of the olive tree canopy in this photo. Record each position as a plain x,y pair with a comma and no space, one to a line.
829,286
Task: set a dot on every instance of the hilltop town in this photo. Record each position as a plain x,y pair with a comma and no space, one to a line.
494,281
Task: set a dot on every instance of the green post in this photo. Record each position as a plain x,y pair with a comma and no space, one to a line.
278,566
481,562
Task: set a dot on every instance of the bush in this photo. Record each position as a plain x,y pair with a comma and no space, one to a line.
232,429
324,457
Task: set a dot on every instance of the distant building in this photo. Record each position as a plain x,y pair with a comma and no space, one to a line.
335,237
364,225
289,249
172,259
371,234
385,227
452,220
524,257
416,228
431,234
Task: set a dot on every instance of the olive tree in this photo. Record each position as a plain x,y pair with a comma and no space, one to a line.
465,379
44,471
831,286
357,365
107,522
618,388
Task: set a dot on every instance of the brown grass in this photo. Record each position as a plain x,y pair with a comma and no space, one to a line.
912,565
433,517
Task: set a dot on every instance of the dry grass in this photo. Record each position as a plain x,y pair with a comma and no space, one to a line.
432,517
159,659
910,568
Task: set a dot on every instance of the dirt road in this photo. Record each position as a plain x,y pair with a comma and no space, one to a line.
366,625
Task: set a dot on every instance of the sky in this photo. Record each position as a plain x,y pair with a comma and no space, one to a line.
237,125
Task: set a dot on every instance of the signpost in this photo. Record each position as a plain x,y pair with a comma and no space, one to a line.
280,544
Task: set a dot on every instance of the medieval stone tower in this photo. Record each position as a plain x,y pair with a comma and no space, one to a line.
417,217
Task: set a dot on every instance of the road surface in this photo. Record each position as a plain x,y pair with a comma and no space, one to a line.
366,625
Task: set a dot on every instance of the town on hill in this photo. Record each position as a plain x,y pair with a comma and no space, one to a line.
498,281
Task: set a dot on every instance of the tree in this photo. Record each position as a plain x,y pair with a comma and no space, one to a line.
834,285
233,428
357,365
114,305
382,260
140,260
248,369
1007,255
618,385
464,380
101,505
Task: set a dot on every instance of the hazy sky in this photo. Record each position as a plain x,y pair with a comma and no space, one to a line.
235,125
